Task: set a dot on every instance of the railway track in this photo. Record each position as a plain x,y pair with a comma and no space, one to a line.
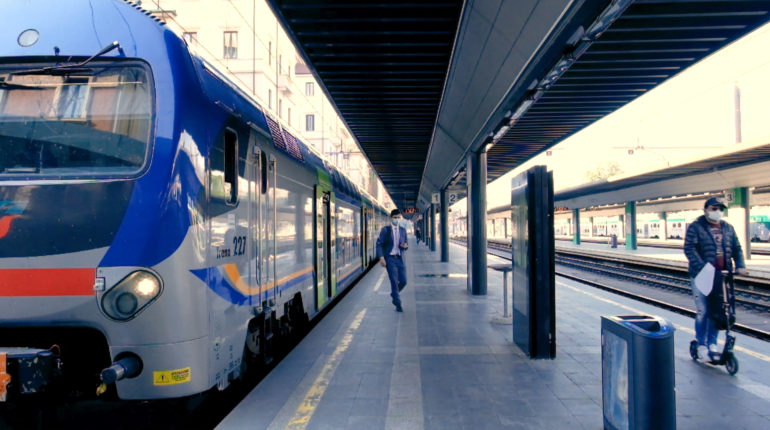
751,294
757,248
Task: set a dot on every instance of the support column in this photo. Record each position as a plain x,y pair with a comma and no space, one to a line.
738,215
432,227
663,230
476,174
423,229
444,219
576,226
590,226
630,223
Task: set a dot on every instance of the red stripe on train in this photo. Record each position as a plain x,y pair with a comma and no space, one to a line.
5,224
46,282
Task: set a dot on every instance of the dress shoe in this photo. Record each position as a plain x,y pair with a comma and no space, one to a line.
399,309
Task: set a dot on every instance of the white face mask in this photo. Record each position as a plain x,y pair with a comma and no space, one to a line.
714,215
394,221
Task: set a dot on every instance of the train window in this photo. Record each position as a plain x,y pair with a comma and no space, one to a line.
231,166
93,123
263,163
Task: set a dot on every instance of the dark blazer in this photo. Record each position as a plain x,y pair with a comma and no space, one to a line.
385,241
700,247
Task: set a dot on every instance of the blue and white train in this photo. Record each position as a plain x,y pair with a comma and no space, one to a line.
158,230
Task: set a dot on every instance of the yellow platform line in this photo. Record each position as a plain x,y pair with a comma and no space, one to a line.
379,281
746,351
307,408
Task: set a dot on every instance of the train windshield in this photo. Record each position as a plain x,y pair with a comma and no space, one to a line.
65,123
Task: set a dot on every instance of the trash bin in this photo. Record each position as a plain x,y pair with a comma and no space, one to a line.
638,373
614,241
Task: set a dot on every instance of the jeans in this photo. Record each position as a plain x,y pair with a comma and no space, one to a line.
397,275
705,329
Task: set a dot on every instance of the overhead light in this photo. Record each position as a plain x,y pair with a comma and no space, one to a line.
607,17
500,133
522,109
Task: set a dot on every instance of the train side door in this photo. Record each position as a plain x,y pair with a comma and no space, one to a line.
364,237
321,251
268,227
254,167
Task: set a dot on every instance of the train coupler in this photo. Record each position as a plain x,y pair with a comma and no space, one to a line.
128,366
26,371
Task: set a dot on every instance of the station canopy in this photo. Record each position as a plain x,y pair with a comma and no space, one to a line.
422,83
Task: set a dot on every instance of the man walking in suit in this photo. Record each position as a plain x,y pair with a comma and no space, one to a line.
391,246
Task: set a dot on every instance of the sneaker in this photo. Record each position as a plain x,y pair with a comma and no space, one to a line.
714,351
703,353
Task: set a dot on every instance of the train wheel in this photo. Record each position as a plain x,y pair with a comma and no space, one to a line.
252,353
731,365
694,349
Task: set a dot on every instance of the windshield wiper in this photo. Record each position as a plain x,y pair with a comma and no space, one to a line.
67,68
11,86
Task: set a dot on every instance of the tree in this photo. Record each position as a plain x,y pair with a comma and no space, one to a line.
604,171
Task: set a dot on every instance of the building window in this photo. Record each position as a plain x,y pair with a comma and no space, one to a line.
269,53
190,37
309,89
231,44
280,108
280,61
310,122
270,98
288,114
72,98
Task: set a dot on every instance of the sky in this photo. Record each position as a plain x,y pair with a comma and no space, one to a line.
689,117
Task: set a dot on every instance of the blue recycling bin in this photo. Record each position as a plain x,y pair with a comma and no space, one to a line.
638,373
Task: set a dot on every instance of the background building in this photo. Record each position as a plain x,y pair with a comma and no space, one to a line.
244,40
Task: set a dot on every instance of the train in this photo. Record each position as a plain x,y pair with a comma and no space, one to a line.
160,232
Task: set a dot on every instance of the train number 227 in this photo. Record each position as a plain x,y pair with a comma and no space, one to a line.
239,245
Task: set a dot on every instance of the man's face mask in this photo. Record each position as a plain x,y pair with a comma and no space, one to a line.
714,214
395,220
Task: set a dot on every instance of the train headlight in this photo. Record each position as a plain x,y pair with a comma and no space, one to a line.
132,294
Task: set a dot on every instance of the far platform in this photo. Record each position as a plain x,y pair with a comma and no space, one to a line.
443,364
758,265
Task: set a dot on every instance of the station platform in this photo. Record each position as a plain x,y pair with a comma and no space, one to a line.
758,265
447,363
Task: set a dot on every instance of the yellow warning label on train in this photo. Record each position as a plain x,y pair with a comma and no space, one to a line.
171,377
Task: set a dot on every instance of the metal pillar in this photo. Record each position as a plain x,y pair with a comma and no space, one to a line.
444,220
576,226
476,172
663,230
738,208
630,223
532,256
432,227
